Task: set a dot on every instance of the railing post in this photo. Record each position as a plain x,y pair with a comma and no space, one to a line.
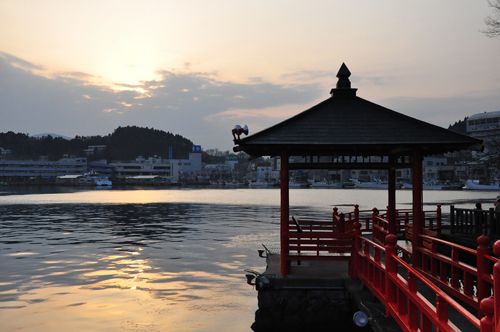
356,214
391,267
452,219
491,223
342,227
487,307
483,288
438,219
374,222
356,248
335,214
496,286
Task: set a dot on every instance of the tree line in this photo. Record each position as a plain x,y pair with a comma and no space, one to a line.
125,143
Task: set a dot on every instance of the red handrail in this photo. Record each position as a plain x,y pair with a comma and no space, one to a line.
400,295
455,276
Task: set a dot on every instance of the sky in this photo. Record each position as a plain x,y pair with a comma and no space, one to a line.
197,68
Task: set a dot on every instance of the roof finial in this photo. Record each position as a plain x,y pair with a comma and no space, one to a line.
343,88
343,76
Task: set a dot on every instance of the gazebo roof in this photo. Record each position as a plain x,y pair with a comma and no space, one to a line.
345,124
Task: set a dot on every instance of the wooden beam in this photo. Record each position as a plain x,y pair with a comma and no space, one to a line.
353,165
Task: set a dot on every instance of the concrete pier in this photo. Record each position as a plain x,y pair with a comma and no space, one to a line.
315,296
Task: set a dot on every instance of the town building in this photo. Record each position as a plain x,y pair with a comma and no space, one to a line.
156,169
485,126
40,170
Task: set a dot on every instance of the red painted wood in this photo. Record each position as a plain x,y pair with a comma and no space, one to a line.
285,215
417,206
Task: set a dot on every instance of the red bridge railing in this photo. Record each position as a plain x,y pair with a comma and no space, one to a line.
394,283
452,272
465,273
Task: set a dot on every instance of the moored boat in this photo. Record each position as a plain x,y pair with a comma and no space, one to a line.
475,185
326,184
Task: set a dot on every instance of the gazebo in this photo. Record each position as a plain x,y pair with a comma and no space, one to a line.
347,132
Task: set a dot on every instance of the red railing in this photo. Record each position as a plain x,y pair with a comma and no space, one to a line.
394,283
464,273
376,222
319,240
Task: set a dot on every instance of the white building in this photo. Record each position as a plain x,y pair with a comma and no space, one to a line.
153,166
485,126
167,169
25,170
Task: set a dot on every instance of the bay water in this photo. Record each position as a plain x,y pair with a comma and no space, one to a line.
148,259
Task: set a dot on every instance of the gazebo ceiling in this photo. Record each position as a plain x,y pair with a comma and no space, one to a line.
346,125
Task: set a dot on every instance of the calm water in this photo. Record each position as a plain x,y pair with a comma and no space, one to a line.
152,260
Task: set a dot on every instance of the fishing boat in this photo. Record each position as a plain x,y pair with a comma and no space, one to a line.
475,185
326,184
94,179
370,185
259,183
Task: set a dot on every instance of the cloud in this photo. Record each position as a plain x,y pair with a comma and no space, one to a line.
183,103
196,105
17,62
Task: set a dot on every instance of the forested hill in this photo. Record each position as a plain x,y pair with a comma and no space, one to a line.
459,127
125,143
130,142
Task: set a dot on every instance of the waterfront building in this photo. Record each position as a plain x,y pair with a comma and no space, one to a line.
167,169
40,170
92,149
156,168
485,126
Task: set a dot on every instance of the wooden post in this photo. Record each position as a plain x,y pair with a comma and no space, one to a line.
356,248
452,219
487,308
391,267
438,221
342,227
491,223
483,288
496,286
285,214
391,209
417,208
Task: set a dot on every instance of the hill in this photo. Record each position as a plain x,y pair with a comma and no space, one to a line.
125,143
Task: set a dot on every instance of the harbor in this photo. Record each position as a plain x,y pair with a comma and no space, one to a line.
171,259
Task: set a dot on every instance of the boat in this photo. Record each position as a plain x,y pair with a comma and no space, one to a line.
475,185
259,184
434,186
293,184
378,184
326,184
94,179
102,181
